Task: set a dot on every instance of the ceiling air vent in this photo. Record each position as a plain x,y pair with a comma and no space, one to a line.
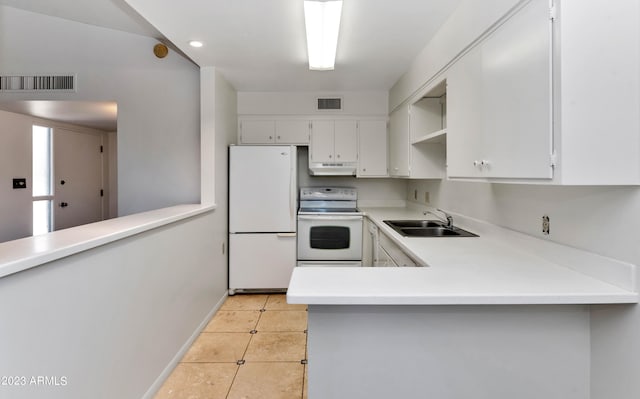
37,83
330,104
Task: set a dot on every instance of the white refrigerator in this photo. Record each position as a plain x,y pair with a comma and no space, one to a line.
262,217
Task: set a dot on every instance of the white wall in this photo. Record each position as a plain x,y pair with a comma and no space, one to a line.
362,104
110,319
603,220
15,161
158,106
371,192
468,21
219,104
372,103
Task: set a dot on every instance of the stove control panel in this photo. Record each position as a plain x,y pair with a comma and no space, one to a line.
329,193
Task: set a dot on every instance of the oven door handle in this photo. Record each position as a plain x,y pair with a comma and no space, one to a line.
329,217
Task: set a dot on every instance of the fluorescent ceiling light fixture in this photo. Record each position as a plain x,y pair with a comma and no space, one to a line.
322,21
195,43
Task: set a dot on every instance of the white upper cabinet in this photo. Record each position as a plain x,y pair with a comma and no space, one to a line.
597,92
278,131
372,148
551,96
334,141
292,131
500,102
256,131
399,142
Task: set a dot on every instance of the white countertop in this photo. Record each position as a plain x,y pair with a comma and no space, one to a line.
25,253
498,267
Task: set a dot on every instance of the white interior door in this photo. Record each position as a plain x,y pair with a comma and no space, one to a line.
77,178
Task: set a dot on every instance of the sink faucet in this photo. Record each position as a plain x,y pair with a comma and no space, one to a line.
449,218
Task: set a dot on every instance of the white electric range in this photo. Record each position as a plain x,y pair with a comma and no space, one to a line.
329,227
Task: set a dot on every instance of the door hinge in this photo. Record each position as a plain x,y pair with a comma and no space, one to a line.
101,149
552,13
553,160
101,192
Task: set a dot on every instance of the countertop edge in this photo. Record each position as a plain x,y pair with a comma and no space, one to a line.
22,254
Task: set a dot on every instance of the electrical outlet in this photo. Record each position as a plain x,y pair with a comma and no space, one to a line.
545,225
426,197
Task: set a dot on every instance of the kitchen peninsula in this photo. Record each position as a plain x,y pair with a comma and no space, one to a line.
503,315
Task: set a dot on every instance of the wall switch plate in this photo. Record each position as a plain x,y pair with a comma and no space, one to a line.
426,197
19,183
545,225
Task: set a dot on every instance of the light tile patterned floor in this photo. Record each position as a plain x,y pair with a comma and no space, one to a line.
255,347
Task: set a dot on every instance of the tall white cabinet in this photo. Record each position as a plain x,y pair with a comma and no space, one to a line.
372,148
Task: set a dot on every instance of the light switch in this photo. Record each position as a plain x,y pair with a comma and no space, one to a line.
20,183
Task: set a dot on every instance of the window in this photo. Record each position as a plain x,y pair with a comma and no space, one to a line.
42,179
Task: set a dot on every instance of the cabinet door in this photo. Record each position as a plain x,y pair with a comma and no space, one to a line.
322,141
464,117
261,261
368,240
516,80
399,142
292,132
257,132
346,141
372,148
499,102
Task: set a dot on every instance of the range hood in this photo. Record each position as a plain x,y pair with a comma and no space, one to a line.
332,168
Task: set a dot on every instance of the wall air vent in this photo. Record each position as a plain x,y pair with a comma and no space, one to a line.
332,104
37,83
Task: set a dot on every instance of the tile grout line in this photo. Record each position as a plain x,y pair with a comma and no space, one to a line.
246,348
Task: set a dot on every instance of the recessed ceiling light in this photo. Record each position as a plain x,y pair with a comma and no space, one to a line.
195,43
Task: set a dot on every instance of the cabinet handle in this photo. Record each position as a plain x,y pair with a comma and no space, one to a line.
364,169
270,137
338,156
278,137
330,156
484,163
476,163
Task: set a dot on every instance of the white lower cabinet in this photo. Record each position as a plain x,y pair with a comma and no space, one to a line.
261,260
369,243
397,256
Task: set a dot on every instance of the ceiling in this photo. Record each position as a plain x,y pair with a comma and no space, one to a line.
113,14
100,115
258,45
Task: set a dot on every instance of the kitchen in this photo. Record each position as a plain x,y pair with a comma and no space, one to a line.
574,211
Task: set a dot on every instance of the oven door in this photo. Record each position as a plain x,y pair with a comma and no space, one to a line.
329,237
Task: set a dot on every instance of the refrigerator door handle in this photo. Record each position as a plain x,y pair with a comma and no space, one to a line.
286,234
292,191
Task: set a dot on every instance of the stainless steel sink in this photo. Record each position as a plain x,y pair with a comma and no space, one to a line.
426,228
413,223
